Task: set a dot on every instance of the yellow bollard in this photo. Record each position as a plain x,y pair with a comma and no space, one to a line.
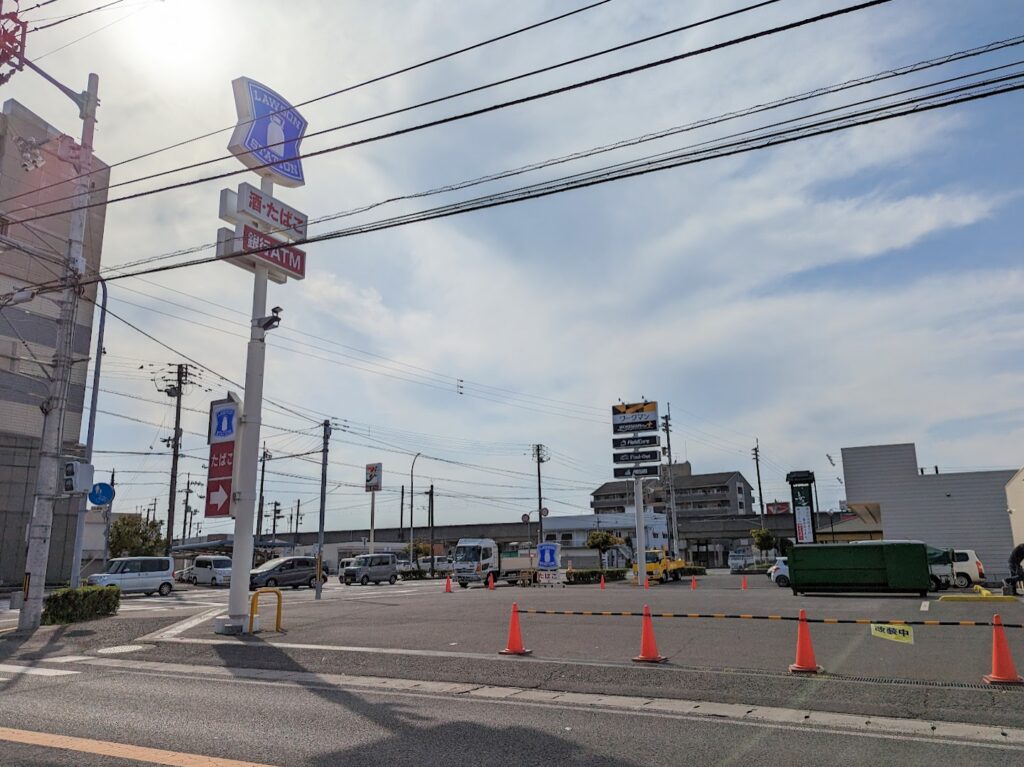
254,606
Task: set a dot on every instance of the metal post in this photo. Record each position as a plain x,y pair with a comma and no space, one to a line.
430,521
671,481
401,514
244,501
76,562
757,463
263,476
106,524
640,542
179,385
373,509
184,516
47,491
412,500
323,507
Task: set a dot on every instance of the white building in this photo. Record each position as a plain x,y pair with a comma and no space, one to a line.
572,532
965,510
1015,506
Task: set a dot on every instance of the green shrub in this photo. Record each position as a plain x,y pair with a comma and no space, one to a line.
82,604
692,570
415,575
594,576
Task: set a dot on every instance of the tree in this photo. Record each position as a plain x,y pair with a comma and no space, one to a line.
602,540
132,536
764,540
420,550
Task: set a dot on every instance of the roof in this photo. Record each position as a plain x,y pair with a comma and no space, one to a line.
679,482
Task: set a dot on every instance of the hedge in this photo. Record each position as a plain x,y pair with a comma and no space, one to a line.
594,576
81,604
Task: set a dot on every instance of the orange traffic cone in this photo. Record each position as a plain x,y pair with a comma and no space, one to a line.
515,638
693,583
490,582
647,582
602,581
743,583
447,584
1003,670
648,647
805,662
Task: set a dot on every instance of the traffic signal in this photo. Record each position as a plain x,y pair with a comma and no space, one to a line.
78,477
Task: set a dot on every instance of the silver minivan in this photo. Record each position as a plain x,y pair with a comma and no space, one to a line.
370,567
211,570
148,575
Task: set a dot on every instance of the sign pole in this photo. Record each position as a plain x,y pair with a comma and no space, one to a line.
244,503
373,509
640,541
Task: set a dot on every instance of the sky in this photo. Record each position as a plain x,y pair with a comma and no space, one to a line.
862,287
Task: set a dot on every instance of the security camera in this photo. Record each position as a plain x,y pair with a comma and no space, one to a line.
271,322
276,310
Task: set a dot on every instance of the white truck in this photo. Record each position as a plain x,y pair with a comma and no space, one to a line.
477,559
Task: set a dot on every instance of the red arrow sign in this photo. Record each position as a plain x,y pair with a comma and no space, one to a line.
218,479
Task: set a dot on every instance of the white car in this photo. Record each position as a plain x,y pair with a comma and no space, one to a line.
148,575
779,572
967,568
211,570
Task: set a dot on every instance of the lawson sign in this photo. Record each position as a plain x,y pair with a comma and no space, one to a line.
268,133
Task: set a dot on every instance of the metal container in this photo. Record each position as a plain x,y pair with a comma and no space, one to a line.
876,566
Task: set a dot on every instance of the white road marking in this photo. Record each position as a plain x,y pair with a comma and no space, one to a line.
772,717
9,668
925,606
181,626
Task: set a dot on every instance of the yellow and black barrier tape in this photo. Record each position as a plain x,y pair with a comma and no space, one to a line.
744,616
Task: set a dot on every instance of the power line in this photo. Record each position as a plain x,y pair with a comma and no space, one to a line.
76,16
465,115
346,89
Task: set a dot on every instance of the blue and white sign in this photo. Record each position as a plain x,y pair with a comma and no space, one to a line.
224,420
101,494
269,130
548,555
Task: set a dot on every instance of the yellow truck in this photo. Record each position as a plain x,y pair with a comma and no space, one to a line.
660,567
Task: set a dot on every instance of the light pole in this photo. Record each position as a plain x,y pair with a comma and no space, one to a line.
47,489
412,496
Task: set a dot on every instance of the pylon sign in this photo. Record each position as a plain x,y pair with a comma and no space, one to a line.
222,432
268,133
373,477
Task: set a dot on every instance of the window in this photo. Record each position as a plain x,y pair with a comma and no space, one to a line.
740,502
287,565
567,537
155,565
549,536
132,566
485,553
960,556
202,564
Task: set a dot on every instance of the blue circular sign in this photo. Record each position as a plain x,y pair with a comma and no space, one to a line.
101,494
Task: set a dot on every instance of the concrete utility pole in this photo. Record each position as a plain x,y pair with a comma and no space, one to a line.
48,488
540,455
186,519
757,463
667,420
175,390
412,500
401,514
108,516
264,457
323,507
277,516
430,521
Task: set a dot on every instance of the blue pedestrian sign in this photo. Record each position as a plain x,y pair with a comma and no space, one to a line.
224,422
269,132
101,494
548,555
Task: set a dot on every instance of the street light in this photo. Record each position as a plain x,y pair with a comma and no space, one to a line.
412,495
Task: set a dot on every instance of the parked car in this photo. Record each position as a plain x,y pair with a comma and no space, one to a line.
370,567
211,570
183,575
740,560
967,568
442,565
148,575
285,571
779,572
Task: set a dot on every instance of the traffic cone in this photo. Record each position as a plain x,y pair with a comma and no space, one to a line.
805,663
515,638
648,647
447,584
1003,670
693,583
490,582
602,581
647,583
743,583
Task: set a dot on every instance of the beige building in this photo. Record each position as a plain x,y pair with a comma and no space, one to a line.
36,164
1015,506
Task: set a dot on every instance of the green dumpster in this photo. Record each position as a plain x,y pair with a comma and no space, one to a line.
868,567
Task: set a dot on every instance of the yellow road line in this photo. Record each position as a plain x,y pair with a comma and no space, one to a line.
119,750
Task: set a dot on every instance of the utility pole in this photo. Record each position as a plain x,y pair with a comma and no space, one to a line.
412,500
298,520
401,514
175,390
430,521
323,507
277,515
667,426
106,524
54,407
264,457
540,455
186,519
757,463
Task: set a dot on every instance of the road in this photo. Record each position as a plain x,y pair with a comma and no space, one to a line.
380,675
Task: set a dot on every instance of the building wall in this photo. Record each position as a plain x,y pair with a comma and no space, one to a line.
965,510
28,331
1015,506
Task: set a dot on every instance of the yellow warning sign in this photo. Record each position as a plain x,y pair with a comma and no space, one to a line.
895,633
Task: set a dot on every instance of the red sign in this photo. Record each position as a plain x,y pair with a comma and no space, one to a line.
218,480
779,507
289,260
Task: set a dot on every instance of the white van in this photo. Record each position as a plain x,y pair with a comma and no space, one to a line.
149,575
211,570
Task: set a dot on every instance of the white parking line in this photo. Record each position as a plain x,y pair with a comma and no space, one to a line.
925,606
9,668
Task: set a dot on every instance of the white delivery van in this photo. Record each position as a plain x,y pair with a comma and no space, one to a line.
211,570
149,575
